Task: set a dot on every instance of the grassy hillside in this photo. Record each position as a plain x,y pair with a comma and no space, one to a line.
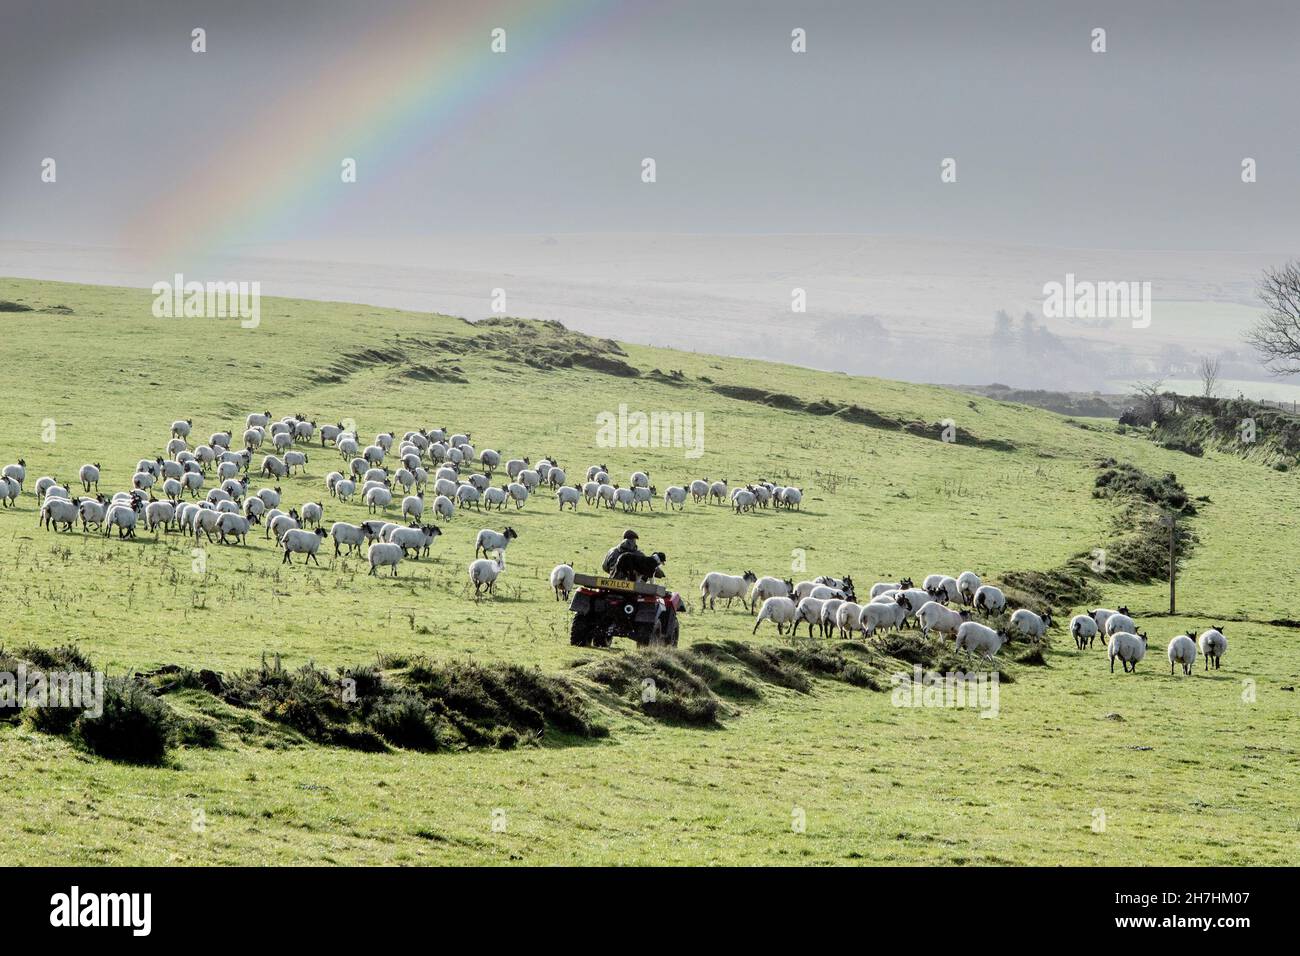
1185,770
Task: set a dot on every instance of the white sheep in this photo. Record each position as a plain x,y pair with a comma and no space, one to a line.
490,540
885,615
718,585
791,498
204,521
1026,622
312,512
234,526
568,495
302,541
378,499
518,493
1182,650
767,587
977,638
830,614
556,477
807,610
296,459
9,491
346,534
562,581
469,495
55,511
122,517
345,489
1084,630
413,507
274,467
780,611
968,582
483,573
92,510
675,495
496,497
416,539
847,617
1213,645
989,599
382,554
89,475
444,507
16,471
1120,623
699,489
934,616
1129,648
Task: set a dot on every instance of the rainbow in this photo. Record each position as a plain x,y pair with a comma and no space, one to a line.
411,79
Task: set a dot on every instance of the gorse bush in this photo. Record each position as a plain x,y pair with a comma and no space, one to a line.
135,726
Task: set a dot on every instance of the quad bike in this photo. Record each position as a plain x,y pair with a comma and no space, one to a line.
604,608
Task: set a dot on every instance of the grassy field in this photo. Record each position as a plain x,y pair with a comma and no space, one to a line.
1185,770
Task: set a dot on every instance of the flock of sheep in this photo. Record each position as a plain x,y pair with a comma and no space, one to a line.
436,460
230,511
831,606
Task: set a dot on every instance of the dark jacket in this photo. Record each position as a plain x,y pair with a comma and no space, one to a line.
617,552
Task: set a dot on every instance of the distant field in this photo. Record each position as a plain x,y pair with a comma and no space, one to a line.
1184,770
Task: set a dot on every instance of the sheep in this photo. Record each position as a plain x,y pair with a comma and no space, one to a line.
347,446
830,614
204,521
608,495
378,499
379,475
303,430
643,497
791,498
718,491
281,524
742,500
331,433
227,469
56,491
767,587
990,600
235,487
302,541
640,479
886,615
274,467
496,497
346,534
55,511
469,495
374,454
258,420
490,459
312,512
977,638
233,526
718,585
1084,630
1213,645
89,475
562,580
847,616
483,573
489,540
383,554
933,616
1026,622
780,611
968,582
1102,614
514,466
1182,650
220,440
595,470
345,489
122,517
413,507
556,477
416,539
807,610
880,587
295,459
192,481
253,438
1129,648
9,490
529,478
569,495
675,495
699,489
444,507
159,513
17,472
254,508
172,489
623,498
92,510
181,429
518,493
1117,623
142,481
945,586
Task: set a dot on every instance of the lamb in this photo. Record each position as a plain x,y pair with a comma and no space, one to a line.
382,554
933,616
1084,630
885,614
562,580
233,526
346,534
489,540
718,585
483,573
1213,645
780,611
1129,648
416,539
302,541
89,475
675,495
979,638
1026,622
990,600
1182,650
767,587
968,582
569,495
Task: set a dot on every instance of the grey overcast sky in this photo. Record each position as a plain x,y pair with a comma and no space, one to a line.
1139,147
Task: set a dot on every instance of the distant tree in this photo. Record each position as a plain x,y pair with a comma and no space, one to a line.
1276,336
1151,406
1209,372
